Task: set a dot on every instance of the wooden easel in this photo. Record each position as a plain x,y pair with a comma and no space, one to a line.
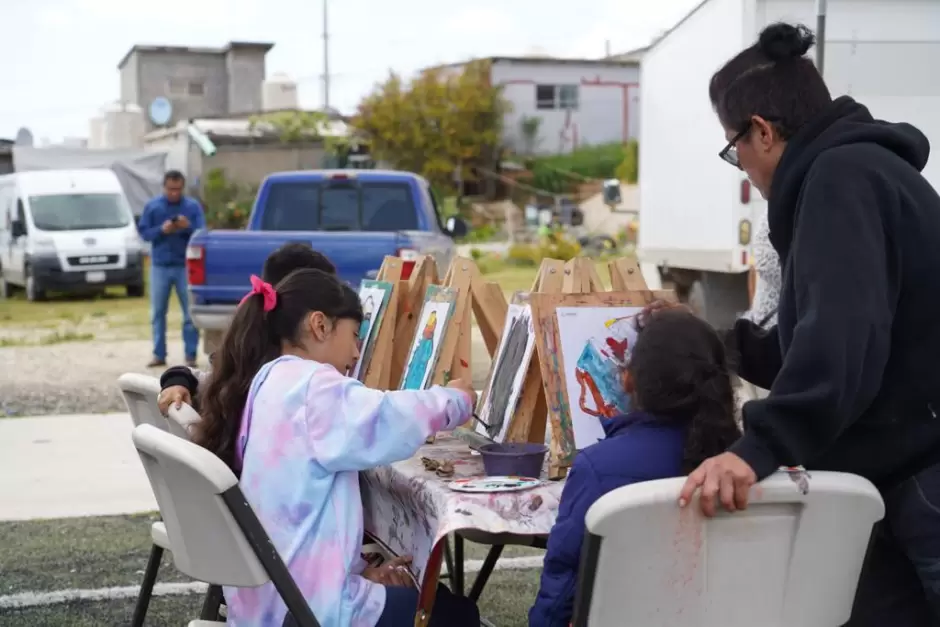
580,277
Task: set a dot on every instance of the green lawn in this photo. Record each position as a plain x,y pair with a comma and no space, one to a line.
91,553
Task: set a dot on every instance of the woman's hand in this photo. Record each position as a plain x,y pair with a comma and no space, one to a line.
174,395
726,478
393,573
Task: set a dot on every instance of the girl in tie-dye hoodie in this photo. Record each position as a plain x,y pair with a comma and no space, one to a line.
279,410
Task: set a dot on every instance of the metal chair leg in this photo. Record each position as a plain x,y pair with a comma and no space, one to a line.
448,560
146,586
457,579
211,603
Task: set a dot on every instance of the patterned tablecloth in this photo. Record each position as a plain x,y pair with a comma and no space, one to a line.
410,509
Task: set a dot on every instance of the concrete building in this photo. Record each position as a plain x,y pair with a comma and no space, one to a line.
198,82
577,101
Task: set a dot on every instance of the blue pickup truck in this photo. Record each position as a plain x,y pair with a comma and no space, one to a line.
354,217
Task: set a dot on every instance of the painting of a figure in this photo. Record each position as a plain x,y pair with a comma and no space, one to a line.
510,365
374,296
435,315
596,344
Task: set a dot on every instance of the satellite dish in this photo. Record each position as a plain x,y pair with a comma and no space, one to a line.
160,111
24,137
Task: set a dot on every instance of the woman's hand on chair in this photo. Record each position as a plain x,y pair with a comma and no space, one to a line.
725,478
174,395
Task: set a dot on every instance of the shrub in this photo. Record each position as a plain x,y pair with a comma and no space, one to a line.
483,233
553,247
593,162
227,204
629,169
521,255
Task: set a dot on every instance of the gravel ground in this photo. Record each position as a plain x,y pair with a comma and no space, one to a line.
79,377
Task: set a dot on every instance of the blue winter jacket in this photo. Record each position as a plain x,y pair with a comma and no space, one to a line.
637,448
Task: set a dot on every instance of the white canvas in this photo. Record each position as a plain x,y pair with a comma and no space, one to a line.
443,311
376,296
514,312
595,343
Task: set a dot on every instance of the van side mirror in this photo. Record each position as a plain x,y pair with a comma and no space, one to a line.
17,228
456,227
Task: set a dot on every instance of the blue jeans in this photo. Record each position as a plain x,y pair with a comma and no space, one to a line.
449,610
162,280
900,582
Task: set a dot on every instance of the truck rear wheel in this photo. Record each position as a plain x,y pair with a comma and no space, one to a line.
719,298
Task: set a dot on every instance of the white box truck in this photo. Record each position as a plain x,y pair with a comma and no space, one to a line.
697,213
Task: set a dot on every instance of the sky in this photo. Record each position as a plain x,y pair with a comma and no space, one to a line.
60,56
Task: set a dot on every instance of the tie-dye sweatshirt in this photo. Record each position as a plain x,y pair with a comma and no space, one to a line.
305,434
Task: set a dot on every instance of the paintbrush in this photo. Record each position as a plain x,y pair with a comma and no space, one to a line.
481,421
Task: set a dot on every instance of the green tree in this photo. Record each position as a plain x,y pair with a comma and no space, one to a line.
292,126
436,123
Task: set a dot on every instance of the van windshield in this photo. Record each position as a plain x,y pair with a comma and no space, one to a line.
77,212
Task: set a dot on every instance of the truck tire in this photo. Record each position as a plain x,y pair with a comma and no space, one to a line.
135,291
34,292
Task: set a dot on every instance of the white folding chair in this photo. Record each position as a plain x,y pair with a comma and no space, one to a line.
140,393
216,536
182,420
790,559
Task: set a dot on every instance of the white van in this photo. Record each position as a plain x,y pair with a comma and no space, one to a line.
69,231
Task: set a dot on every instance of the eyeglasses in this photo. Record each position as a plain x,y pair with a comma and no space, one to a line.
729,154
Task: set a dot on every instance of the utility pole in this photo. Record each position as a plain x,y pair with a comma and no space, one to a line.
820,35
326,59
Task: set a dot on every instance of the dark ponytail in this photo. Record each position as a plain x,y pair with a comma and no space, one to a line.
256,337
773,79
680,373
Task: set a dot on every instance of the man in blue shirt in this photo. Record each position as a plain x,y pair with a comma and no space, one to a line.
167,223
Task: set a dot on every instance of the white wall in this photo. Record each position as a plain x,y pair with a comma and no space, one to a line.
175,143
608,108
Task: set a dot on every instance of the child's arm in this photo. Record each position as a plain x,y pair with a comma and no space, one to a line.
352,427
554,604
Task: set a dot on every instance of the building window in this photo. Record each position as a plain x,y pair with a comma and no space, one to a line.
568,97
185,88
548,97
544,97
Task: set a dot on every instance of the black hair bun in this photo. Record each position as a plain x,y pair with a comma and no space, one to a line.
782,41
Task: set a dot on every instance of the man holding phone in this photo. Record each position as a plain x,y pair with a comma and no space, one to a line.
168,221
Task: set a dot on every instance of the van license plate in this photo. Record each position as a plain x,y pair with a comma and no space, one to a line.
94,277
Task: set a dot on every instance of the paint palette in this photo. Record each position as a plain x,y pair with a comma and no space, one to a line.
490,485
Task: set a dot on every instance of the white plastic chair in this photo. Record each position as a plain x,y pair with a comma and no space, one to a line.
140,393
789,560
182,420
216,536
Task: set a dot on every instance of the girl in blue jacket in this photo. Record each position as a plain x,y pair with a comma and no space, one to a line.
679,382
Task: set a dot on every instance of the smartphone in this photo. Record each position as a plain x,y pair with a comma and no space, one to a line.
175,219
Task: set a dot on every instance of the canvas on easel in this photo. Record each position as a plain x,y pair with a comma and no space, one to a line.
375,297
432,329
584,343
508,371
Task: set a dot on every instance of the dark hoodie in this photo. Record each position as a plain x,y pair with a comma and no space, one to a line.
853,360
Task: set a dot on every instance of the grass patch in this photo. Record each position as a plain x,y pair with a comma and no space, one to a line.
89,553
513,278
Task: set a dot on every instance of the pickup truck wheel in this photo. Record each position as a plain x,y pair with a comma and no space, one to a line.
135,291
34,292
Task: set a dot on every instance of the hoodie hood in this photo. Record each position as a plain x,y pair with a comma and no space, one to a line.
842,123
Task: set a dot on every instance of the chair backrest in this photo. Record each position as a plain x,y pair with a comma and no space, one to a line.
793,558
140,395
182,420
214,534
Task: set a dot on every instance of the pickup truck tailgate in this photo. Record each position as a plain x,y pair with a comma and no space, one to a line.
232,256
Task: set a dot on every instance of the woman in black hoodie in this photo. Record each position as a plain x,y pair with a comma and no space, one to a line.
852,364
